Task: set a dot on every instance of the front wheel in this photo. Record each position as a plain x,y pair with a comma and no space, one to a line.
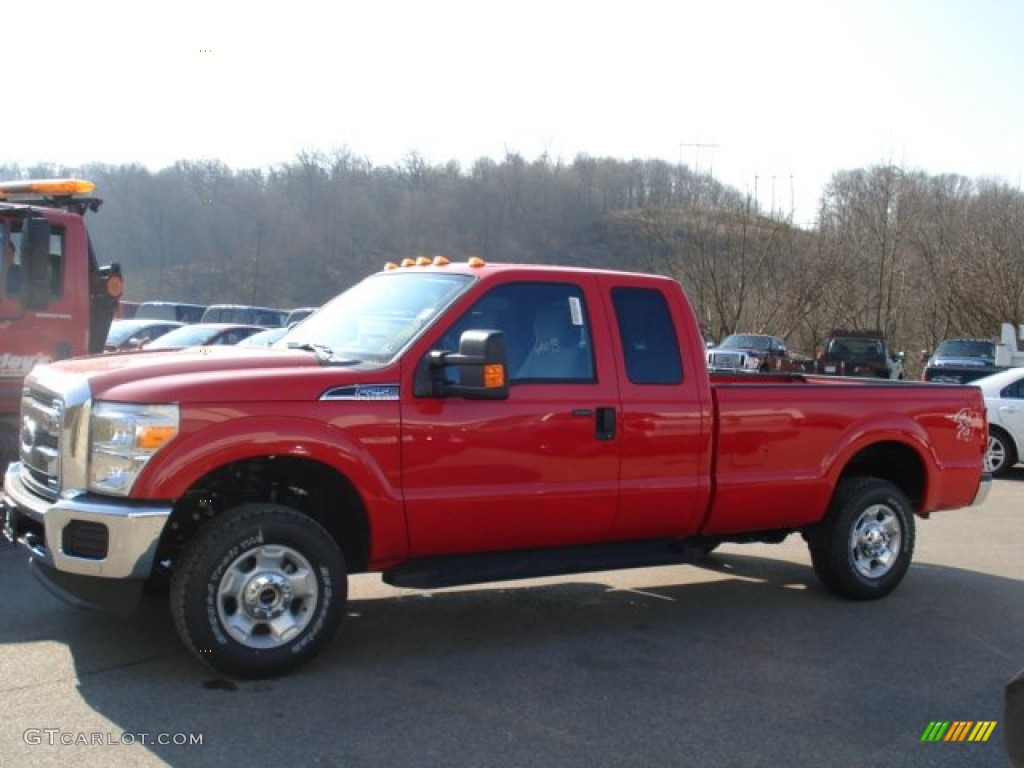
863,548
259,591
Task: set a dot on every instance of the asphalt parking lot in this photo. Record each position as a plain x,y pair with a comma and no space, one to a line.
741,661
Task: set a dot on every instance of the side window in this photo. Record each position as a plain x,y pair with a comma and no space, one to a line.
235,336
14,271
649,341
546,330
11,271
1014,391
57,262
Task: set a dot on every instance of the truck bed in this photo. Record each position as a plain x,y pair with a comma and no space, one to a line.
783,440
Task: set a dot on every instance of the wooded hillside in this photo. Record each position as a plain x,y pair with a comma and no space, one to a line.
920,257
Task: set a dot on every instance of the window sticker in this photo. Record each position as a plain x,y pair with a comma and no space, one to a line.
576,311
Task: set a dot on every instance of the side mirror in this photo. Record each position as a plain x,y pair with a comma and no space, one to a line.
35,260
480,365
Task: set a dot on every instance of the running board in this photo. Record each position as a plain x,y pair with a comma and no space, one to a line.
456,570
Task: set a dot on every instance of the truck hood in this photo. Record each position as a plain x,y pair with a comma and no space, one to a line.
212,375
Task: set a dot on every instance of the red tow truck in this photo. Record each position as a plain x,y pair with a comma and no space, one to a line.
55,300
444,424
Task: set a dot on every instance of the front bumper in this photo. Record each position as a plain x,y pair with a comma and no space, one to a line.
90,550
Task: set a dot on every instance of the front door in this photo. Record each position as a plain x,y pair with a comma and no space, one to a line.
538,469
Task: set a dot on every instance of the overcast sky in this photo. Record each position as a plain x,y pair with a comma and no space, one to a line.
770,96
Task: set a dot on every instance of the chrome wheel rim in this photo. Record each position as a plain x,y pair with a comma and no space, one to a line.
875,541
995,456
267,596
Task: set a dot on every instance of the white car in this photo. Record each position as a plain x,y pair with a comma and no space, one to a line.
1004,401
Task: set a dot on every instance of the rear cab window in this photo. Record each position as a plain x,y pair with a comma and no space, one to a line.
650,346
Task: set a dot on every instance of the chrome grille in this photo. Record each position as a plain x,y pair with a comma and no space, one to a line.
39,439
726,359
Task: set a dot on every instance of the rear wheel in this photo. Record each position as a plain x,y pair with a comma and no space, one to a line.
1001,454
863,548
259,591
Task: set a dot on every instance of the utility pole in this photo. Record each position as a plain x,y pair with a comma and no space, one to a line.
697,146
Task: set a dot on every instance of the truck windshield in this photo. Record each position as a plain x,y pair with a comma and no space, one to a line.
376,318
966,348
745,341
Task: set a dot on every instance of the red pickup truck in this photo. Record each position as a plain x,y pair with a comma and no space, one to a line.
446,424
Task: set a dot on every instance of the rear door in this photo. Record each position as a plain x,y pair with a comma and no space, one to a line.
540,468
666,417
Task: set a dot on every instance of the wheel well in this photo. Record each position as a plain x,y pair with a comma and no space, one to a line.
1005,434
304,485
895,462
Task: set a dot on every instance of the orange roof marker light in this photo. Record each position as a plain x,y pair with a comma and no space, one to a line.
441,261
408,262
45,187
391,265
476,261
423,261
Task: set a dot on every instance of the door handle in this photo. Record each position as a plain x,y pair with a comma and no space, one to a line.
604,423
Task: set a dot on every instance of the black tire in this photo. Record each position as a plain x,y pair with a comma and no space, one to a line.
1001,454
863,547
251,574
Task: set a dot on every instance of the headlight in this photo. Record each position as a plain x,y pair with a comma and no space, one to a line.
123,437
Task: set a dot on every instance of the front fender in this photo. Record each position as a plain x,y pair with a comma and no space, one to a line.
366,452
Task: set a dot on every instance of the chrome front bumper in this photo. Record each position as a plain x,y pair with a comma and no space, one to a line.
132,530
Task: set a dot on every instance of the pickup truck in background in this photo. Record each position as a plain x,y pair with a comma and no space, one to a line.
446,424
757,352
859,353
